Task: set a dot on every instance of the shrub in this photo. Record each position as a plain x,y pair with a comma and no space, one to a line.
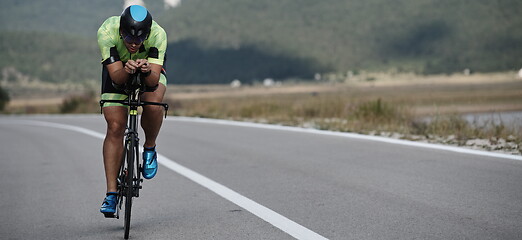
376,111
78,103
4,98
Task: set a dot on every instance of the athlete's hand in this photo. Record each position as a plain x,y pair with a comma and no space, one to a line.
144,65
131,66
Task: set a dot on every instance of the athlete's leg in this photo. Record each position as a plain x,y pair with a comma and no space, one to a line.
152,116
116,118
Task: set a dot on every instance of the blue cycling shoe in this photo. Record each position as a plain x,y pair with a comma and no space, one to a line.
150,162
108,207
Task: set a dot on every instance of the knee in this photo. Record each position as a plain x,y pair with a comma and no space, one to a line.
152,109
116,129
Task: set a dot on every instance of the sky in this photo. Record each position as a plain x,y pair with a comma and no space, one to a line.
168,3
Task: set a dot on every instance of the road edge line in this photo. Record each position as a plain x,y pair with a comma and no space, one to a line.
348,135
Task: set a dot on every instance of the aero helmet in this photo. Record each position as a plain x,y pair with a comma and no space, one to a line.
135,23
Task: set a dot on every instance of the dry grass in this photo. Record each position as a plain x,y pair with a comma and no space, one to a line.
367,107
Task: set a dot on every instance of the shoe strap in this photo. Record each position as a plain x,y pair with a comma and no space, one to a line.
112,194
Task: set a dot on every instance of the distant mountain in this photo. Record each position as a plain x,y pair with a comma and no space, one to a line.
48,57
217,41
426,36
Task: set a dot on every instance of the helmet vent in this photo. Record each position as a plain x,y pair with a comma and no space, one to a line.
138,12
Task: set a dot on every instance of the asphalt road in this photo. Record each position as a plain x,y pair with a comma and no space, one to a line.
261,183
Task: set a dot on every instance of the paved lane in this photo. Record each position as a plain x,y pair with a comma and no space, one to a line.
53,186
338,187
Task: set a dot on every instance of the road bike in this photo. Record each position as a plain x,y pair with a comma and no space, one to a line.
129,177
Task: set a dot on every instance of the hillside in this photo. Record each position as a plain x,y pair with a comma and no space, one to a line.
217,41
428,36
49,58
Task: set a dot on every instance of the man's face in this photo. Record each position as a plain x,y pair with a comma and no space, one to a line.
132,47
132,44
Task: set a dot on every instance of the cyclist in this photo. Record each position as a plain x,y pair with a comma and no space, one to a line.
131,43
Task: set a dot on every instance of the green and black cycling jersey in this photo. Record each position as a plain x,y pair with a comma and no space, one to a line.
113,49
153,48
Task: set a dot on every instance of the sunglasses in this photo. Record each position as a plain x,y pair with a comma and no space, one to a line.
136,40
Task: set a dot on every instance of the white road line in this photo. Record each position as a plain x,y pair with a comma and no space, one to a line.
349,135
274,218
290,227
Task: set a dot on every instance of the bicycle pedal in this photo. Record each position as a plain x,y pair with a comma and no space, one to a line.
110,215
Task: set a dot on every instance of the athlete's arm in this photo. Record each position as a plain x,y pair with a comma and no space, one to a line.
107,39
151,70
118,73
156,56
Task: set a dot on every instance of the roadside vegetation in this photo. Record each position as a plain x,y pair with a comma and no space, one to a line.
4,99
409,107
84,103
341,113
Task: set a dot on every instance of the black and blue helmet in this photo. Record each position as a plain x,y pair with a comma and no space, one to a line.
135,23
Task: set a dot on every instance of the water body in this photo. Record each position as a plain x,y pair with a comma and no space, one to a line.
497,118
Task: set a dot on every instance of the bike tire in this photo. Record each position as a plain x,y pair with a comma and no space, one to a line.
130,186
121,181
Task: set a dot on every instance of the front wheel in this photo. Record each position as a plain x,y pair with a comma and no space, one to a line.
128,207
130,186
